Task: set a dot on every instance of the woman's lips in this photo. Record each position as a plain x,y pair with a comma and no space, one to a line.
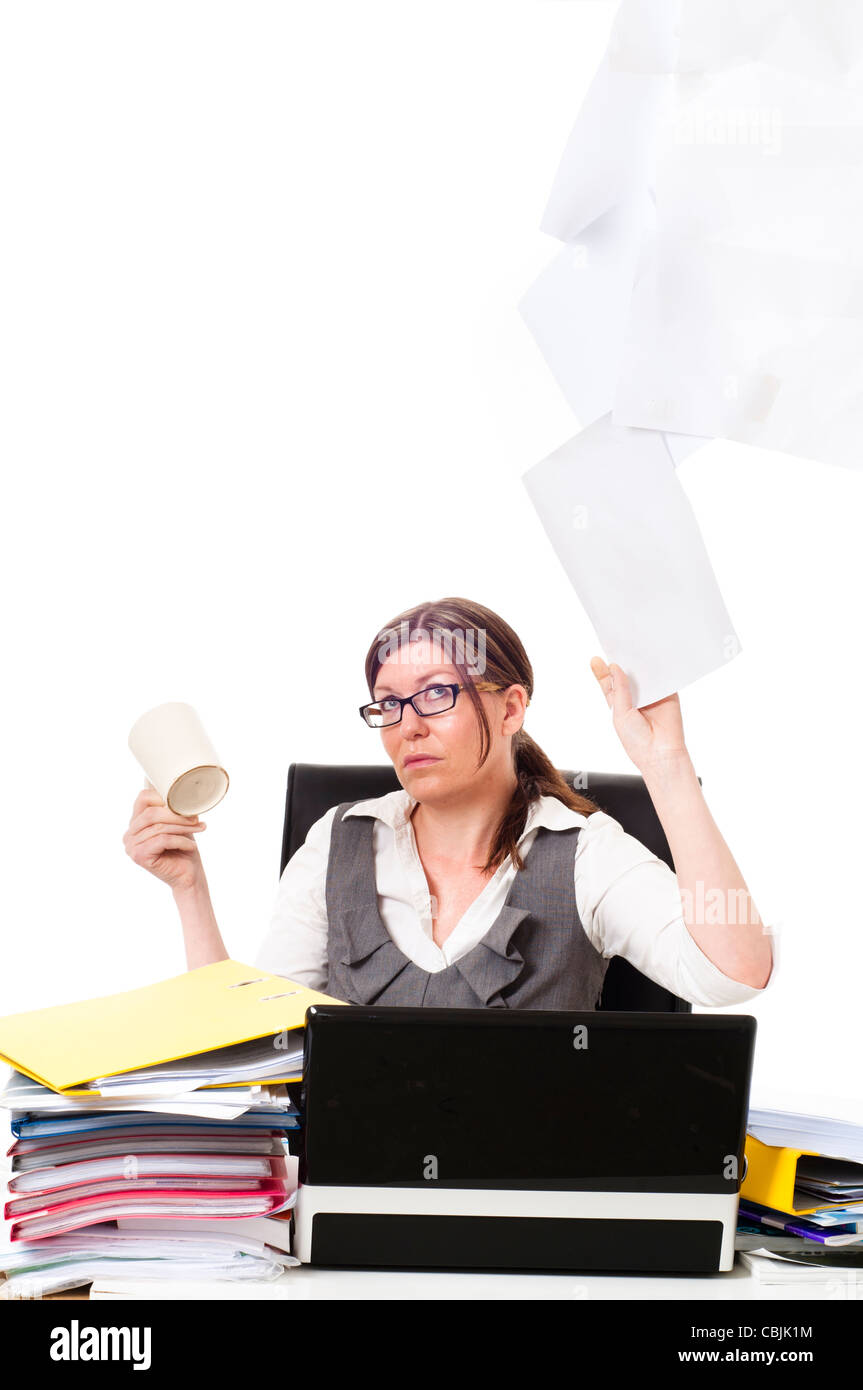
419,762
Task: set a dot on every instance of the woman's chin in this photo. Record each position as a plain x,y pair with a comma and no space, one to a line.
421,778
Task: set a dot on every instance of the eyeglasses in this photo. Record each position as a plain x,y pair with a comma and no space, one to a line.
434,699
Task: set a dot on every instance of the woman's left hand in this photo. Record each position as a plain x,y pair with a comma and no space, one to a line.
652,735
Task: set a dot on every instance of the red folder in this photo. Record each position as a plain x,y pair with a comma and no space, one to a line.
57,1217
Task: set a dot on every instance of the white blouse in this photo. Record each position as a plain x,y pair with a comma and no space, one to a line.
627,898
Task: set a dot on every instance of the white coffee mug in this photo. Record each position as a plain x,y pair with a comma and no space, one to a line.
173,748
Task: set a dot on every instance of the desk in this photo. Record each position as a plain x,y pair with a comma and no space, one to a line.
308,1284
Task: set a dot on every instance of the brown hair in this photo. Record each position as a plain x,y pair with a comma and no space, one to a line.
505,664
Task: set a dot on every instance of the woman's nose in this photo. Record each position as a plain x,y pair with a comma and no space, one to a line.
412,722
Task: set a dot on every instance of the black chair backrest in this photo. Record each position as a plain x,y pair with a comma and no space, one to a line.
314,787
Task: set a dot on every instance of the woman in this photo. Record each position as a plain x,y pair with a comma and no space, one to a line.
485,879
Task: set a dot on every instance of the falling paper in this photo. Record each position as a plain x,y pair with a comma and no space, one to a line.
602,207
710,286
711,190
622,526
578,310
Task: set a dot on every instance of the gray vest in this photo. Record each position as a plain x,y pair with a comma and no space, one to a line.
535,955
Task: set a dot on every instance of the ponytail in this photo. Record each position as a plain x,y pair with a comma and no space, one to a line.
537,776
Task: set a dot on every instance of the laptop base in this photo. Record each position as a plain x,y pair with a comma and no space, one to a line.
472,1228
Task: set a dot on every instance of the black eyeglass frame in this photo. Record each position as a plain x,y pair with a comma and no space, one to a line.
409,700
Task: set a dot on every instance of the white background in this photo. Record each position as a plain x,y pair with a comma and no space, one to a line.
265,384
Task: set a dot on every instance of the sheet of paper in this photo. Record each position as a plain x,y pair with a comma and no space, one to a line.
578,308
710,201
578,311
601,206
735,136
747,319
609,155
624,531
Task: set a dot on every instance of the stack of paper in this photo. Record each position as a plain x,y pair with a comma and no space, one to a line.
150,1164
837,1271
165,1104
73,1177
104,1251
801,1198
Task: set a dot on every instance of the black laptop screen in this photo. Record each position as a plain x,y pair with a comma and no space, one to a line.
519,1099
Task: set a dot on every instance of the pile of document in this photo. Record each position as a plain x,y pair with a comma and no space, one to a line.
801,1199
150,1132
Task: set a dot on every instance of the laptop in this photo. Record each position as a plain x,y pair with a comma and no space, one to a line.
522,1139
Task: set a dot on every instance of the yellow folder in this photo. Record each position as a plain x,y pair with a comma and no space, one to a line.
215,1006
771,1173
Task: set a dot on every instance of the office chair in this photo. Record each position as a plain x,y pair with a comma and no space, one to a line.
314,787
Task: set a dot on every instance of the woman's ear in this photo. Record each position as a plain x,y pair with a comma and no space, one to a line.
515,704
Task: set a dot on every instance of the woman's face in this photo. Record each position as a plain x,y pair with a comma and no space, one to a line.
438,754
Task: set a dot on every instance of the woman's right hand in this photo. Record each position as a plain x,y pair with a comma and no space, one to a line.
162,842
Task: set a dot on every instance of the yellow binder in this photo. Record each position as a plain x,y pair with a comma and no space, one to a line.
217,1005
771,1173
